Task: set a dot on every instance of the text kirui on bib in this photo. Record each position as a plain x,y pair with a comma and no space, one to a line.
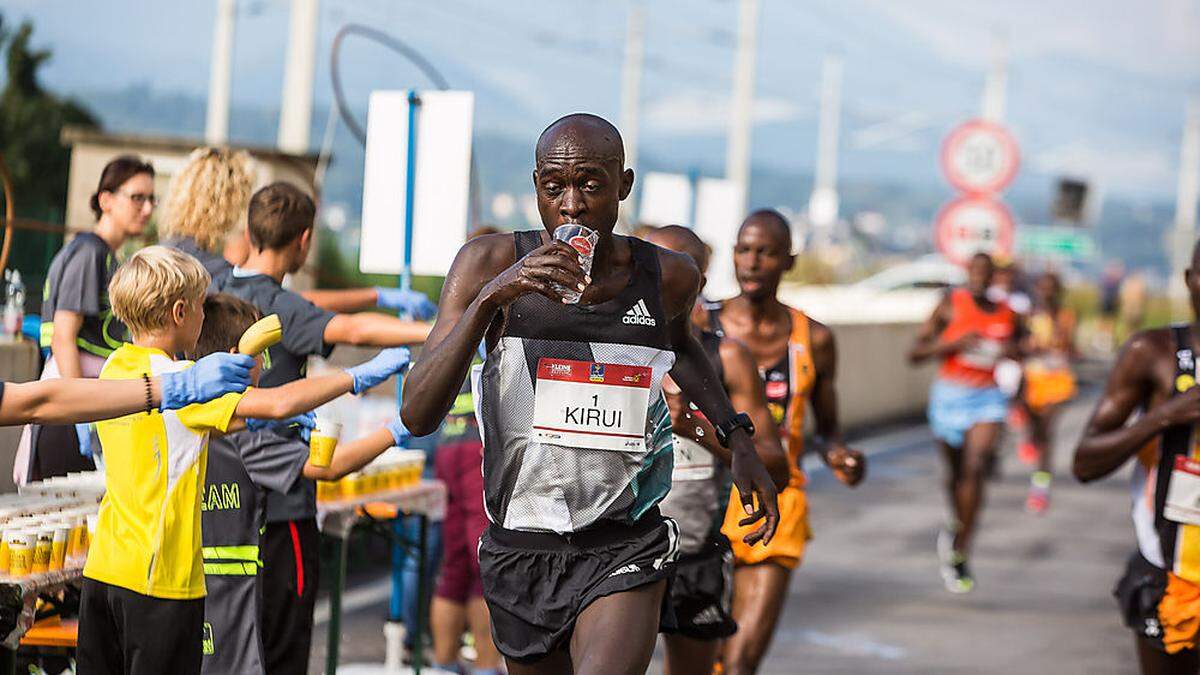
600,406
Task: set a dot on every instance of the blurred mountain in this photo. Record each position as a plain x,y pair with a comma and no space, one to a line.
1131,228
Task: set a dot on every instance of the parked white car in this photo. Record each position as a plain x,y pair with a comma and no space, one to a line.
905,293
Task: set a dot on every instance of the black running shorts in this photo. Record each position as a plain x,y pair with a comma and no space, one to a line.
536,584
702,591
127,633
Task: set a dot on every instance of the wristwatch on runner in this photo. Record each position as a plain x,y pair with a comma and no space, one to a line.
738,421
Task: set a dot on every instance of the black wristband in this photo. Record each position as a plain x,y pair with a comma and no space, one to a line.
149,394
738,421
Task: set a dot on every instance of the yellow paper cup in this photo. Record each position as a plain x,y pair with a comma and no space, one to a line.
323,442
58,546
20,552
43,549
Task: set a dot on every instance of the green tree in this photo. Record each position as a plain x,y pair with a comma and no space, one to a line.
31,122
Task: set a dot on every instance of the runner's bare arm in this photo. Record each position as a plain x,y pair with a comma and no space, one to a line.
696,377
926,346
1015,347
847,464
746,392
1107,441
745,389
484,278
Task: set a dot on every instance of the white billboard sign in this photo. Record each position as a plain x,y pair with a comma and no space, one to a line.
666,199
441,188
718,216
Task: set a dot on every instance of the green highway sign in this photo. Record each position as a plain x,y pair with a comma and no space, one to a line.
1055,241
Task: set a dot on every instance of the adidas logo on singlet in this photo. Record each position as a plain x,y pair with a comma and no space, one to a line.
639,315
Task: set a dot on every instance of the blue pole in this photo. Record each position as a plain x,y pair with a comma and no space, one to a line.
396,606
410,187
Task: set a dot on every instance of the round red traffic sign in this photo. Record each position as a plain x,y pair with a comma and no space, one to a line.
973,224
980,157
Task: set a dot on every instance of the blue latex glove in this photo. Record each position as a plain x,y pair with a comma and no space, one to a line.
413,303
84,433
387,363
304,422
400,433
211,377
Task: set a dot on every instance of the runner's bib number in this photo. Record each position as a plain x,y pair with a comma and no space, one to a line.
600,406
984,354
692,461
1183,493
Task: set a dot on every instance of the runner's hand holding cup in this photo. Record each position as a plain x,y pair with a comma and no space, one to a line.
583,240
544,270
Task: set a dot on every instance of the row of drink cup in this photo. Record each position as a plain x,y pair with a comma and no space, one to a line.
395,469
47,526
40,544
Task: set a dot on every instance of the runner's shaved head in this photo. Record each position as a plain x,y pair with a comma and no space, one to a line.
591,134
681,240
770,218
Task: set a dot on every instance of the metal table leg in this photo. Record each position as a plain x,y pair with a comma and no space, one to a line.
8,661
422,543
333,641
399,553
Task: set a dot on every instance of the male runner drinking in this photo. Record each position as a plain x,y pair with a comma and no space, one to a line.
969,334
573,563
798,361
702,590
1154,384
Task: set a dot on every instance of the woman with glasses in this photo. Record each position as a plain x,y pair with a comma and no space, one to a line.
77,321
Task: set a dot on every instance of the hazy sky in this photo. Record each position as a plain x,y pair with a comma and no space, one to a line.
1096,88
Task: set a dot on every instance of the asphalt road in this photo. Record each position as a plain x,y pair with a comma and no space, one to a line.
868,597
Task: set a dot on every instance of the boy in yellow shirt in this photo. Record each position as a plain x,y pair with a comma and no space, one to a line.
142,608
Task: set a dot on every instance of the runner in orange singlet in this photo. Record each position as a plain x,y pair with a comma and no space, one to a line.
969,333
797,358
1049,382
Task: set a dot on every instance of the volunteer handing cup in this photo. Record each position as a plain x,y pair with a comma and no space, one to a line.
583,240
323,441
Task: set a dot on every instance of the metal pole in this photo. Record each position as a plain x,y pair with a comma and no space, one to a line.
422,543
295,115
410,187
737,155
1180,245
823,204
631,88
410,182
216,122
996,87
334,636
